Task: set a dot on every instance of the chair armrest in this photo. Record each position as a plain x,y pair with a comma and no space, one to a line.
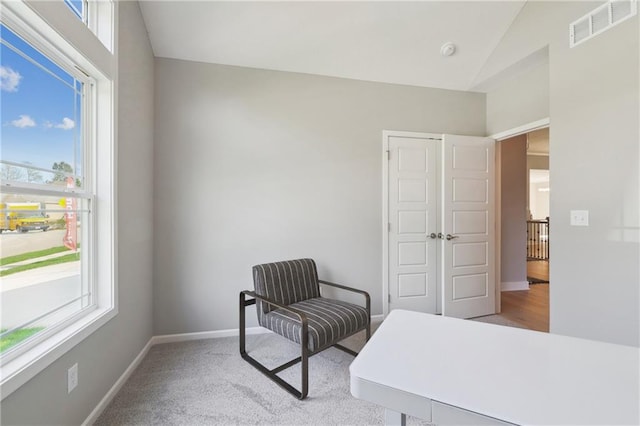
300,314
304,334
367,298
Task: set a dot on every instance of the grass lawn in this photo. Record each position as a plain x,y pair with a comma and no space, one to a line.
39,264
17,337
31,255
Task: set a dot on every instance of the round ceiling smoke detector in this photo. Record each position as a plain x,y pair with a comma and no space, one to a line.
448,49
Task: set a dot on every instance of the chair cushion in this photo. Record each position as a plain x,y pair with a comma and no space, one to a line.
286,282
329,321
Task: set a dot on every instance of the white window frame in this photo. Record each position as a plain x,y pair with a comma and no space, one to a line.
55,30
99,19
82,12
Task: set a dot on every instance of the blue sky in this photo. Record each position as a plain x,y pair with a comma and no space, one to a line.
40,112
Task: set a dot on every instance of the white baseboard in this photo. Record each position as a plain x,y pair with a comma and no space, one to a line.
514,286
185,337
106,400
172,338
377,318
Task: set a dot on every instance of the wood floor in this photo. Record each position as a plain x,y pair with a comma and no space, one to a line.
538,269
529,308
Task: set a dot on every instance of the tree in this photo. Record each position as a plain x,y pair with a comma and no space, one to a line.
33,175
10,172
62,171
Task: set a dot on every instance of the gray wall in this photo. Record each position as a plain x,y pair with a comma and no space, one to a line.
257,166
521,99
104,356
594,109
513,216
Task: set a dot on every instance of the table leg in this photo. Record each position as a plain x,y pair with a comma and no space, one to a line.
393,418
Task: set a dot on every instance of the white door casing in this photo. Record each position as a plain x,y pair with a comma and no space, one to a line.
413,166
436,185
468,191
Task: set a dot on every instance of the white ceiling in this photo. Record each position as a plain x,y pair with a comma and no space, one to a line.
391,42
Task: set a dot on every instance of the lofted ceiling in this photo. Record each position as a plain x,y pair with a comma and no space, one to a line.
391,42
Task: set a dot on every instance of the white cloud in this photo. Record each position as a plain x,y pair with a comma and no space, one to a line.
9,79
23,122
67,124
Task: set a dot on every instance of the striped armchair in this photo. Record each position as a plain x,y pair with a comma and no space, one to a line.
289,303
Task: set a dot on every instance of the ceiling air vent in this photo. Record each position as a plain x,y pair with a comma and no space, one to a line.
601,19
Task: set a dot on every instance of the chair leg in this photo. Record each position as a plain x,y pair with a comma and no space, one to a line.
304,346
272,374
242,327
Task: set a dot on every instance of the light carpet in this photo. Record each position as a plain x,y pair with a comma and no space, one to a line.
499,320
206,382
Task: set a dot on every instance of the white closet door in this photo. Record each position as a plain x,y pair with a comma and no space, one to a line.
413,210
469,226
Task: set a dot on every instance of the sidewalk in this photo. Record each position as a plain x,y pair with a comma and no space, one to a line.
39,275
36,259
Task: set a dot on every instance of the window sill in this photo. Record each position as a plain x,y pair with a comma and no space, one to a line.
23,368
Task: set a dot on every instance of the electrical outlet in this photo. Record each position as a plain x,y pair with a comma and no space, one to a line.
72,377
579,217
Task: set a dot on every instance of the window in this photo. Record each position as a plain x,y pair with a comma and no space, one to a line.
57,217
79,7
45,200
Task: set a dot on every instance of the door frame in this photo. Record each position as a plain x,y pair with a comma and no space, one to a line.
385,205
500,136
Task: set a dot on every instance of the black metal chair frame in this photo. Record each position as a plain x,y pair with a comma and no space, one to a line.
304,344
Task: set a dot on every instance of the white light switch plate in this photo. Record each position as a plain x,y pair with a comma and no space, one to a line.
579,217
72,378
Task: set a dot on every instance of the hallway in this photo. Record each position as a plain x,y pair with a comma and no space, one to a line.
530,308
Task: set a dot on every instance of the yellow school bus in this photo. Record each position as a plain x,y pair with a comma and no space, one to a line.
23,217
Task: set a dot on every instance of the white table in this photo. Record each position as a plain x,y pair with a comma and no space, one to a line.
452,371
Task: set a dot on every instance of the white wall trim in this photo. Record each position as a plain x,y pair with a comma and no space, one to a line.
386,134
498,226
514,285
385,221
516,131
215,334
525,128
172,338
106,400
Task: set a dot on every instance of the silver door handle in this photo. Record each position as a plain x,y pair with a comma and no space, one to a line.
440,235
433,236
451,237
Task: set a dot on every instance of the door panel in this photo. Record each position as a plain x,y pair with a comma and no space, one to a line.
412,253
469,254
468,216
412,190
412,285
469,158
412,221
469,222
469,286
413,278
470,190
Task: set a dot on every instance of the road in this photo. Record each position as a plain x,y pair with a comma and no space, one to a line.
12,243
